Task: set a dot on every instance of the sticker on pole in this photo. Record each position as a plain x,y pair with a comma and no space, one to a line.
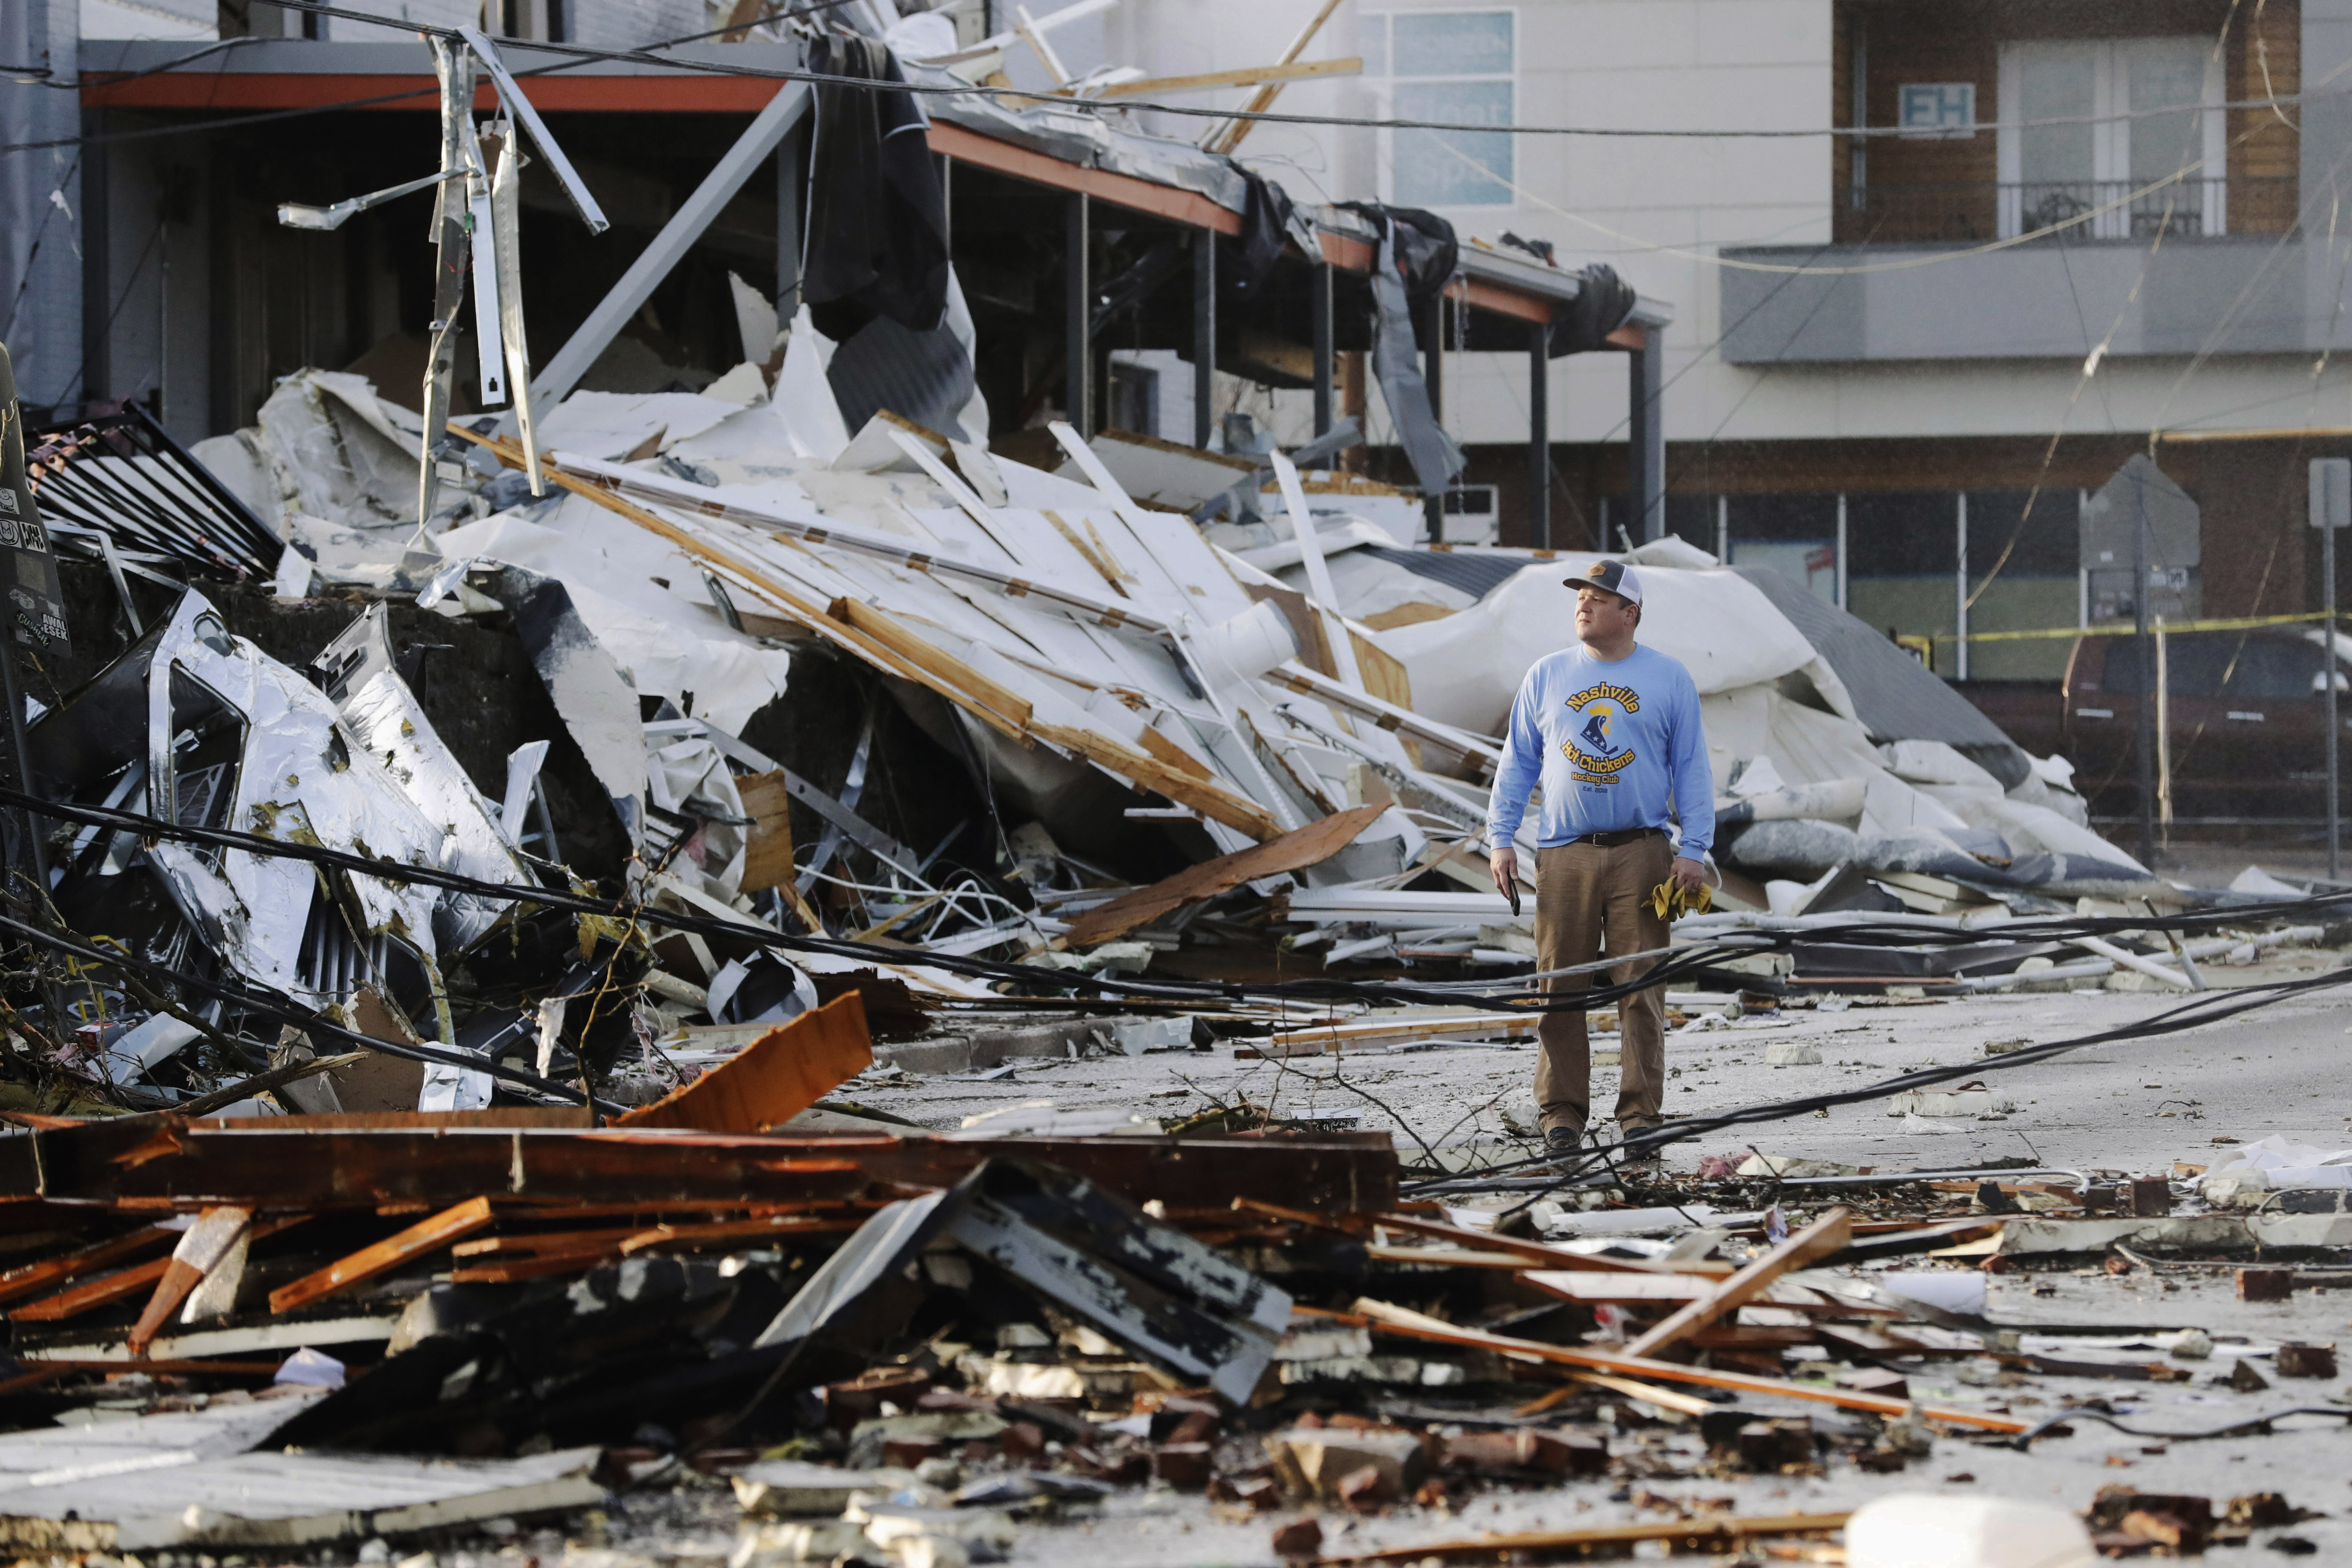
28,571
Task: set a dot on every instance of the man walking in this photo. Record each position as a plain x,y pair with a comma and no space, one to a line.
1611,730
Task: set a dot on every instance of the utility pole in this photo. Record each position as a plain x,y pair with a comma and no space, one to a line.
2331,509
2144,748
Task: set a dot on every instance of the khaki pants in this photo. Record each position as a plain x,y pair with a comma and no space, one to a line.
1584,893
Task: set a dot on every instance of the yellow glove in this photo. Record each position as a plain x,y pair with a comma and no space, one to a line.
1672,903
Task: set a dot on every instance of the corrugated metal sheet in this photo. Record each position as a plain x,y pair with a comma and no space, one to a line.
1473,571
282,1500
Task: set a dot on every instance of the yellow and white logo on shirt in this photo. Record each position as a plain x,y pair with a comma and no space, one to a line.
1596,745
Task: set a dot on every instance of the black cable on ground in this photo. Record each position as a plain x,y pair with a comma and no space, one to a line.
2210,1007
1503,997
312,1024
1513,997
2254,1425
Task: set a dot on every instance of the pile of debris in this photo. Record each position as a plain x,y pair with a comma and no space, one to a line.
901,1348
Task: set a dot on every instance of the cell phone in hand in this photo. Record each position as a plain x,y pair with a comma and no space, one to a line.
1511,891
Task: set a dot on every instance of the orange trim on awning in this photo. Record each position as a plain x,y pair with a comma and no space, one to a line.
673,94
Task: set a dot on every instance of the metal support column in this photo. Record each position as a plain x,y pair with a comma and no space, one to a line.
1841,550
621,305
1540,435
1204,336
1077,322
792,201
1322,312
2331,509
2144,749
1645,456
2335,723
1432,371
95,210
1961,590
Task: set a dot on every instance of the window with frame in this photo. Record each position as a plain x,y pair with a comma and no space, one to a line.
2127,130
1455,68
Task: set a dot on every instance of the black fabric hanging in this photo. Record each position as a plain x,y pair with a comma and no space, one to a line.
878,219
1265,230
1426,250
1603,303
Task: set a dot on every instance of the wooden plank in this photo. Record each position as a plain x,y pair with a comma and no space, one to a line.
1826,1235
1210,799
1663,1398
545,1243
774,1078
726,1233
768,845
1716,1534
98,1292
1347,252
1531,1252
1308,845
201,1245
1323,1037
1228,136
34,1277
514,1271
1383,1318
1496,300
1250,76
425,1236
1340,1172
894,634
809,616
1665,1289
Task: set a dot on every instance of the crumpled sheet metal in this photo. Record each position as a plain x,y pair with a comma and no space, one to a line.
691,778
669,640
297,779
590,690
388,720
326,446
293,766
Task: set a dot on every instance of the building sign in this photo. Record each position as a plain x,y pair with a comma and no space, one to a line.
1944,111
35,601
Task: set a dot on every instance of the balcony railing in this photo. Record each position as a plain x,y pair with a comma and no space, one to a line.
2089,209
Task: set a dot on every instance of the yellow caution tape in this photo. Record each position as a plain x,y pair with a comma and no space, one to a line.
2114,629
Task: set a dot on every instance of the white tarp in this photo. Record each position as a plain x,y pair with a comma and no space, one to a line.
1466,668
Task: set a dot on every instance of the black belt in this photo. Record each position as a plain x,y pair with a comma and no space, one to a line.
1617,836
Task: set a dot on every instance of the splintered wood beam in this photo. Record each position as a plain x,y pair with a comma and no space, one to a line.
727,1233
1536,1254
90,1293
1717,1534
202,1245
1663,1398
1352,65
1828,1234
502,1260
1382,1316
34,1277
1308,845
429,1235
1225,138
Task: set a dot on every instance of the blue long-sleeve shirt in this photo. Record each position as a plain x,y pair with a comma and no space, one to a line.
1615,745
